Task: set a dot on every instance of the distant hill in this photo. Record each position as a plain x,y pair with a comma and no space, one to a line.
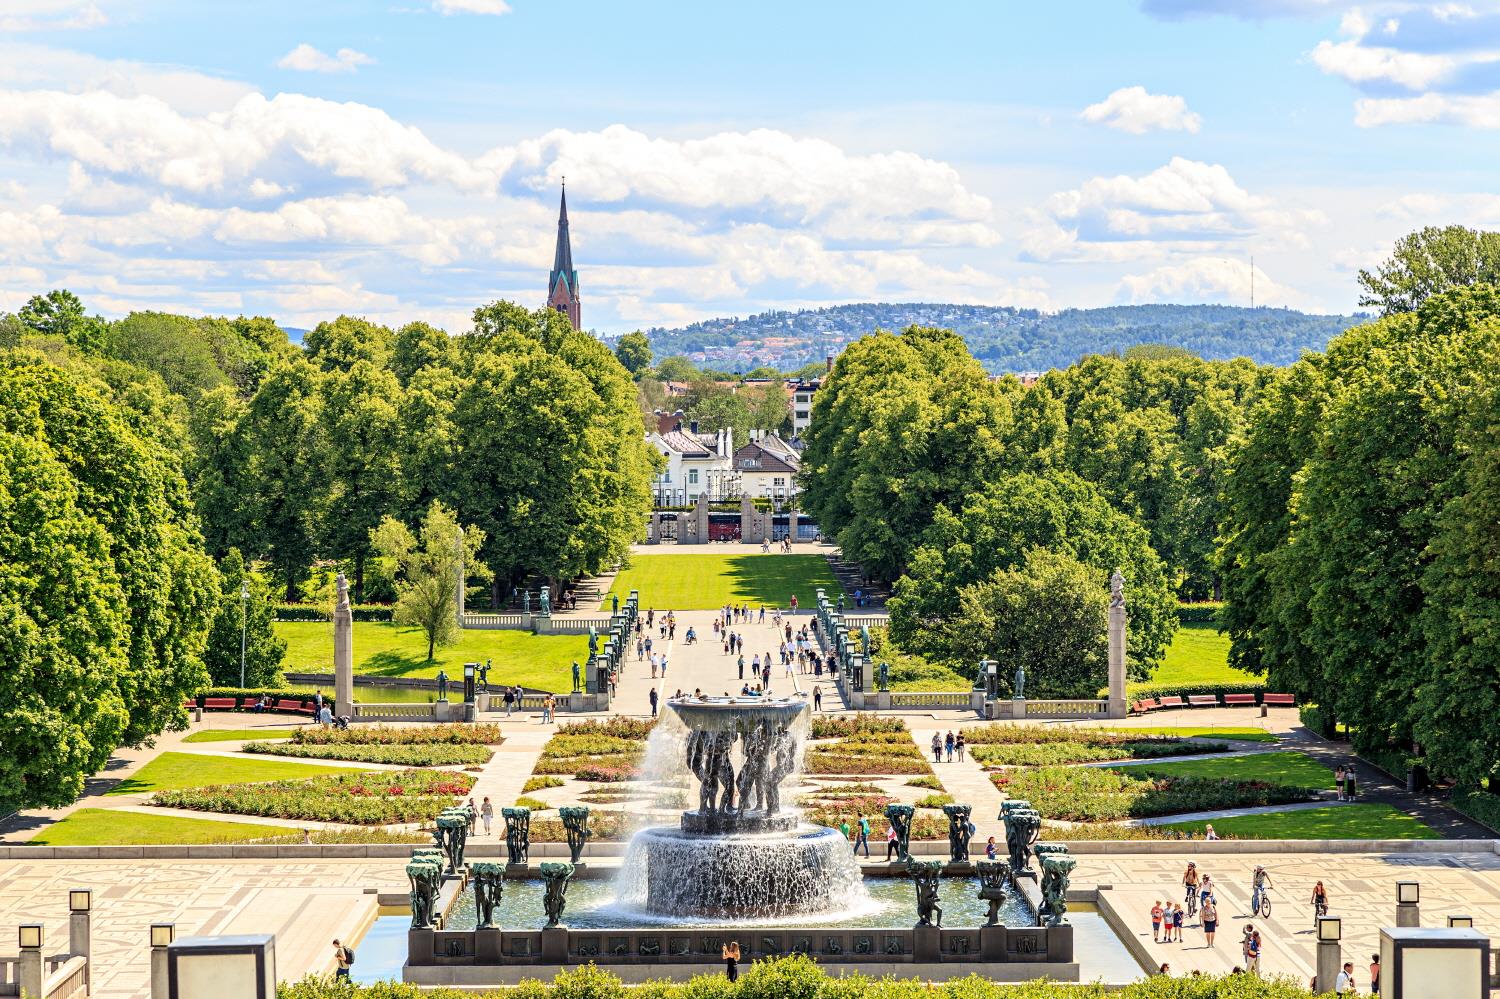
1003,338
294,334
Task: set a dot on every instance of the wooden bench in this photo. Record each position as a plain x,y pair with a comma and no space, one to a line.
1239,700
1173,702
1149,704
1203,700
297,707
1279,700
220,703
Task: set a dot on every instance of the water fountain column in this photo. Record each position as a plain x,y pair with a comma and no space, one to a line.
343,652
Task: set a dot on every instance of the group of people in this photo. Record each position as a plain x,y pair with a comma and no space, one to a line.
1345,783
949,744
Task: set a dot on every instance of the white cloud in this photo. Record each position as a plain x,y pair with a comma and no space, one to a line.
310,60
1206,279
471,6
1359,63
50,15
1467,110
32,67
1132,109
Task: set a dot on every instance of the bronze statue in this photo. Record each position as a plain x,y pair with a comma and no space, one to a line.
558,875
924,875
899,816
575,820
517,833
958,831
489,884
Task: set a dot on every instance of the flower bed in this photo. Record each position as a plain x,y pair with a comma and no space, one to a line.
607,773
1089,794
861,804
401,735
838,726
865,766
407,756
541,784
562,745
602,825
1052,753
620,728
361,798
575,765
1109,831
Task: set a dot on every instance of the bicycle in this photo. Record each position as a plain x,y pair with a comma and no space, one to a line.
1320,909
1192,901
1265,903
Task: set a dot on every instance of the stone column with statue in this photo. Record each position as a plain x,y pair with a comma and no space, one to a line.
1117,619
343,652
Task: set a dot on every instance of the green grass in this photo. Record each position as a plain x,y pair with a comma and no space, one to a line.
111,827
1296,769
1198,654
540,661
1206,732
703,582
235,734
171,771
1334,822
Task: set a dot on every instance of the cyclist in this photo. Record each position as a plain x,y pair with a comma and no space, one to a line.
1190,883
1261,882
1319,901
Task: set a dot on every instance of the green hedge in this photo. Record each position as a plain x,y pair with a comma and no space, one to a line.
801,978
1190,689
1201,613
1392,759
316,612
1478,804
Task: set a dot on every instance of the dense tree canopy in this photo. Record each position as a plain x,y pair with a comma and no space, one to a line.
236,618
634,352
1429,262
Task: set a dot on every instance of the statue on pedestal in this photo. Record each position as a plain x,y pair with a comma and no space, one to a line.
1020,693
517,833
575,676
442,682
958,831
1055,871
614,603
546,597
484,676
556,900
525,601
883,678
1023,827
489,884
924,875
864,641
994,875
593,642
1116,589
575,820
899,816
426,877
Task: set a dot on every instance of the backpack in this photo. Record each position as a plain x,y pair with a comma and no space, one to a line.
349,956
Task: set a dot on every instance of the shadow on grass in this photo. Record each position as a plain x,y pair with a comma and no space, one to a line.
772,580
393,664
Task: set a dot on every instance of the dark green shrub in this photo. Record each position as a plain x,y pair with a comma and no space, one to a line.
1478,804
1206,612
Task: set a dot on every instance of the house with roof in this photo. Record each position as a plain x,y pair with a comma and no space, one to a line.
767,467
696,463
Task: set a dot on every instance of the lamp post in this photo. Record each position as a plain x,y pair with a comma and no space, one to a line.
1330,952
1408,899
1417,962
80,903
229,967
244,619
29,969
162,935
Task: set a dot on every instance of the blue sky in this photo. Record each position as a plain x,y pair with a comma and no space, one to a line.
401,160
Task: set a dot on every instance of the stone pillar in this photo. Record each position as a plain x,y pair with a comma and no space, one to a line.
1117,619
78,942
30,972
1330,961
159,988
555,945
1408,914
343,652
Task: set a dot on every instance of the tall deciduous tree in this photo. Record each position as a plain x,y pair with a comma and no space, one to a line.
1429,262
634,352
105,593
263,648
361,461
429,565
59,313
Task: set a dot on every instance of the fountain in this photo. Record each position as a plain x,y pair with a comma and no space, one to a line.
739,854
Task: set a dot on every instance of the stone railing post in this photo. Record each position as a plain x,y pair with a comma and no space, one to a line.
30,970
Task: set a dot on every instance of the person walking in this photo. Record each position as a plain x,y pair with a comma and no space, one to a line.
1248,935
864,836
510,700
948,745
1351,785
1209,914
548,707
892,844
1157,912
1252,958
989,849
1374,974
937,748
1338,782
345,957
1179,916
487,813
958,744
741,665
1344,983
654,697
731,954
844,828
817,698
473,816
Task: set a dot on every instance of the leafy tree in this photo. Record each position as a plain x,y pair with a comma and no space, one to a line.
59,313
12,329
634,352
676,369
419,346
1429,262
337,345
172,346
361,461
1156,352
264,649
429,566
105,593
1049,614
717,407
994,530
218,463
770,406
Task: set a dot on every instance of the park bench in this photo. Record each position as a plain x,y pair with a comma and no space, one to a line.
1203,700
220,703
297,707
1173,702
1279,700
1239,700
1148,704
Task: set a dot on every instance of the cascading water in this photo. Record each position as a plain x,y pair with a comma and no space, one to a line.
739,854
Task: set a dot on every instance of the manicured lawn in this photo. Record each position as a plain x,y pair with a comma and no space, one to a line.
1198,654
111,827
1333,822
1187,732
540,661
703,582
1296,769
235,734
177,770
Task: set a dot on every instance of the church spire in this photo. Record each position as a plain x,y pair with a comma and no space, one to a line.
562,284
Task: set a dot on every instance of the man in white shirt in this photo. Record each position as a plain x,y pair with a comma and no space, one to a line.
1345,981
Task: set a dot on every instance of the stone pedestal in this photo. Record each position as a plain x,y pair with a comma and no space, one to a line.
1117,618
1330,960
159,988
487,949
343,652
926,943
482,700
419,947
78,940
882,700
441,711
1018,707
554,945
575,701
30,972
1408,914
992,943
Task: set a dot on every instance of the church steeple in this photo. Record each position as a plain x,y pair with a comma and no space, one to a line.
562,284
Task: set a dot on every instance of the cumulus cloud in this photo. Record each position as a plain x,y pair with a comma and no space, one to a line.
1469,111
1359,63
1205,279
50,15
311,60
471,6
44,67
1132,109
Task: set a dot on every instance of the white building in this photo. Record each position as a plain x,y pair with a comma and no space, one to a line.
802,391
767,466
696,463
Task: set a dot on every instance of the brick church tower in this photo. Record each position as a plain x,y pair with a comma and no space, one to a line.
562,285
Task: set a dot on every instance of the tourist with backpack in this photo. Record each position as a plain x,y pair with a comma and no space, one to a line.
345,957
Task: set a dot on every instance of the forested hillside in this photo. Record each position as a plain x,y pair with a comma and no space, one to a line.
1003,338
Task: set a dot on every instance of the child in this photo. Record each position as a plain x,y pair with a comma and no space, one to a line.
1155,920
1177,916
